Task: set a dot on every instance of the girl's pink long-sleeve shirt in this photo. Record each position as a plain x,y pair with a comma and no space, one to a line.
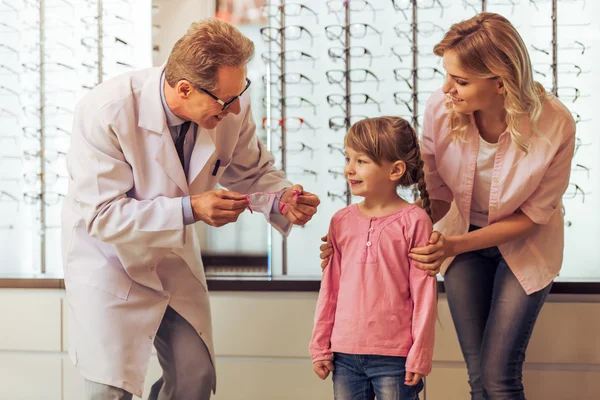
373,300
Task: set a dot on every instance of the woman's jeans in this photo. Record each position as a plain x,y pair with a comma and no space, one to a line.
494,318
362,377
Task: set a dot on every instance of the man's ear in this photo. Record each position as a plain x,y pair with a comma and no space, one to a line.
183,88
398,170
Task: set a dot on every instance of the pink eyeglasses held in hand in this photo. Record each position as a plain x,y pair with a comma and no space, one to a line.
261,201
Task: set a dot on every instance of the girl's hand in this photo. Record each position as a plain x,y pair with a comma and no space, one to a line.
411,379
326,252
322,368
431,257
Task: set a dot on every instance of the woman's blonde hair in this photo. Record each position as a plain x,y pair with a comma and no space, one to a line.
206,46
489,46
391,139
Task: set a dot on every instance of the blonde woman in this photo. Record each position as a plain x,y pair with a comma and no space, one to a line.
497,150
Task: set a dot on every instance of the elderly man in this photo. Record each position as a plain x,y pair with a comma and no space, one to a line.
147,150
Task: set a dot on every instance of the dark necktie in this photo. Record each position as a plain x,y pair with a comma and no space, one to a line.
179,142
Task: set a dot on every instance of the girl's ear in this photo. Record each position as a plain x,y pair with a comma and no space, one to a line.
398,170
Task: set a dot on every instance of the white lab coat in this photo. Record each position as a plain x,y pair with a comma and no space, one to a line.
126,252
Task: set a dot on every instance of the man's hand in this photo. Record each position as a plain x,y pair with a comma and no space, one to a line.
302,210
218,207
323,368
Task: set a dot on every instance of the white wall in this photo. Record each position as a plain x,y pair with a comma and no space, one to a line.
261,343
174,17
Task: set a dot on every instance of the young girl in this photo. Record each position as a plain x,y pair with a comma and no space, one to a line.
375,317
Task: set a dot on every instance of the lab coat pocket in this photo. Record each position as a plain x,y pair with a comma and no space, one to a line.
89,262
216,169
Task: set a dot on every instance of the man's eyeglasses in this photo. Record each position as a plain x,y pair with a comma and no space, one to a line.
224,104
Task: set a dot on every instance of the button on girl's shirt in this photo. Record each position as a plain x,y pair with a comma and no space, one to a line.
368,242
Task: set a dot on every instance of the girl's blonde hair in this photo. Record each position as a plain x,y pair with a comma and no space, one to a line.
391,139
488,46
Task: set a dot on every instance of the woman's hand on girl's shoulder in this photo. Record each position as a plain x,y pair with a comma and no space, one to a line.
326,252
431,257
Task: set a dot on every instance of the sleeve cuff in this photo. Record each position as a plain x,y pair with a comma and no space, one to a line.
280,223
322,357
538,215
188,214
276,202
417,370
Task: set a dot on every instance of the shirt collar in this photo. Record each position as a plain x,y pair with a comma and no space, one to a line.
172,119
